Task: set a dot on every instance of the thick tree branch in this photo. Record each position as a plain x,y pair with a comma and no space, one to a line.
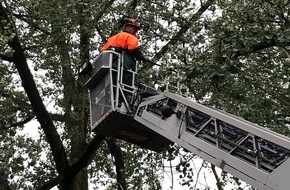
38,107
86,156
80,164
49,184
23,122
99,16
183,29
6,58
260,46
245,51
55,117
116,152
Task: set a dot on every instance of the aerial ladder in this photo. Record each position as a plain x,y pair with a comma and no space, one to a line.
155,120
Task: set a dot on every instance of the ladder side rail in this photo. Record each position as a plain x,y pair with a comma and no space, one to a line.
250,123
102,67
175,129
240,123
208,152
273,146
130,88
112,70
134,73
225,161
120,86
119,78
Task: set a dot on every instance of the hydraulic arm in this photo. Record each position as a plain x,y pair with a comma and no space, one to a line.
254,154
154,120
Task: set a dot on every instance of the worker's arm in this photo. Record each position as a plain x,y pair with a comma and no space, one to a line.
138,54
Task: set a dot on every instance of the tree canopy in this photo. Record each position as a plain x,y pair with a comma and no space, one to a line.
230,54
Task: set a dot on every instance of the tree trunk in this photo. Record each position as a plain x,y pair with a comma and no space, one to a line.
116,152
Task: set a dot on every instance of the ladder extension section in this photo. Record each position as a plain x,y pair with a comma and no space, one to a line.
250,152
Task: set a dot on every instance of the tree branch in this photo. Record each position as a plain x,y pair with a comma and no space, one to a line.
218,182
116,152
6,58
49,184
57,117
86,156
267,43
197,175
33,25
99,16
23,122
183,29
38,107
80,164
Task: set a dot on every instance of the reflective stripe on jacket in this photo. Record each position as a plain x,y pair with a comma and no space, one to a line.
122,40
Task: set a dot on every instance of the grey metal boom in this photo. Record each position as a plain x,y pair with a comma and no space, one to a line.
141,116
250,152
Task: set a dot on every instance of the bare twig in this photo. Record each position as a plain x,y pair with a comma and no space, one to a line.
197,175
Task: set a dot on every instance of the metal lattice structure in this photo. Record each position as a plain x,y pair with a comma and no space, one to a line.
154,120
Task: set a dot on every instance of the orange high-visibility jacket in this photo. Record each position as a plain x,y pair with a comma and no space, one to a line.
122,40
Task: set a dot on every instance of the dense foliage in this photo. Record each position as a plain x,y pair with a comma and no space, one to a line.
231,54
